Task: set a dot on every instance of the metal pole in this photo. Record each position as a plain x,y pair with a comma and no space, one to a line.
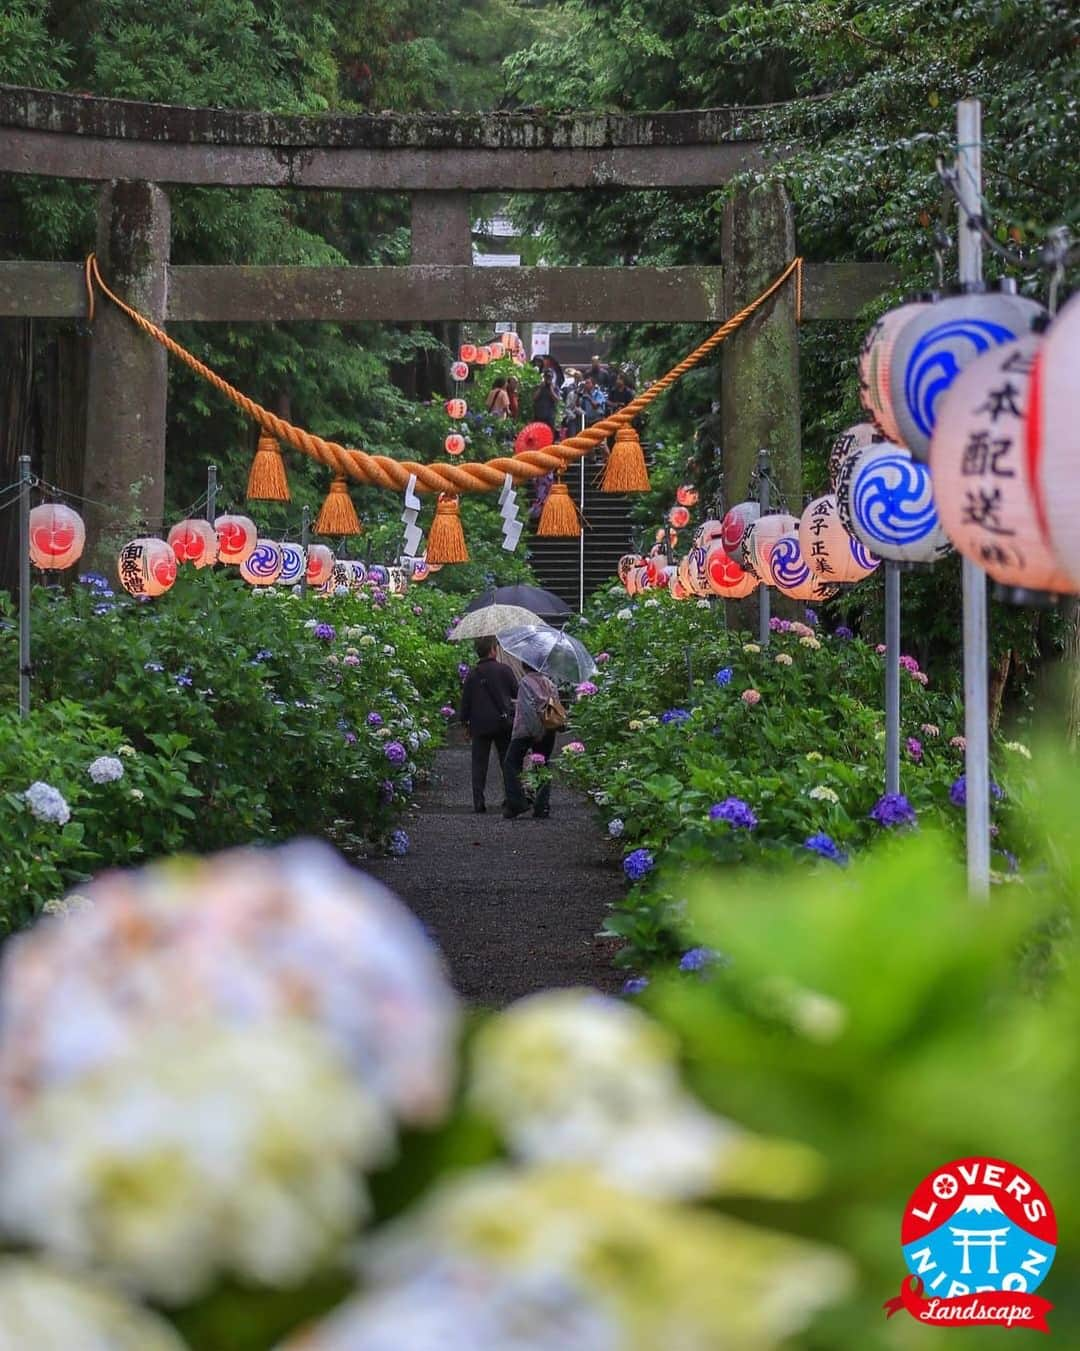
581,539
976,660
305,539
211,493
764,598
892,677
24,585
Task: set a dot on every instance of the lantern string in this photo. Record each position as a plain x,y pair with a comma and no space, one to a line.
482,476
1057,251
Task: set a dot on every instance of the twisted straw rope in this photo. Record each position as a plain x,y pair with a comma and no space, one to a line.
481,476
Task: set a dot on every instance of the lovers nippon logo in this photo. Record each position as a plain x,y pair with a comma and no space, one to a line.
978,1237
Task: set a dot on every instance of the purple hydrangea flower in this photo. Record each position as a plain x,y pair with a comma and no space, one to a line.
350,738
326,632
378,596
386,791
697,959
779,625
395,752
826,846
735,812
958,791
893,809
842,631
406,785
638,864
448,711
374,719
463,669
601,658
584,689
811,617
675,715
399,843
724,676
914,748
635,985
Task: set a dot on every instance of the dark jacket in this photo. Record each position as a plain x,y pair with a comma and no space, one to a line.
489,690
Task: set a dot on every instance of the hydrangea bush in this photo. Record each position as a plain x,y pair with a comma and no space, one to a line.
710,748
214,715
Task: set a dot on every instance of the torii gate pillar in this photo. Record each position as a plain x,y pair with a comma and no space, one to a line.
128,376
760,361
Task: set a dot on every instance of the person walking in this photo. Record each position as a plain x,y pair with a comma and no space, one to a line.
487,712
498,400
513,393
546,401
529,736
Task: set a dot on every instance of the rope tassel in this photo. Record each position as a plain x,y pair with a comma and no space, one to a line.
338,515
626,471
266,479
559,516
446,538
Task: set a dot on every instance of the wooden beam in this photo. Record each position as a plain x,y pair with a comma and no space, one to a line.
428,292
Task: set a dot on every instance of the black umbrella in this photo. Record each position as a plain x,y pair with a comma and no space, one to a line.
543,603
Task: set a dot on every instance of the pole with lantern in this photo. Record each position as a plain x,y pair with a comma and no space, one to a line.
764,598
976,660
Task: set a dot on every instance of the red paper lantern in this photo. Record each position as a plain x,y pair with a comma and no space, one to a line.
533,436
482,357
679,517
686,495
459,371
320,565
237,538
676,586
467,352
57,536
725,577
194,541
456,408
735,525
147,567
455,444
496,351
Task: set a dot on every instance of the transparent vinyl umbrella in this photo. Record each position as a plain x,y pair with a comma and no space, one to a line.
491,621
555,654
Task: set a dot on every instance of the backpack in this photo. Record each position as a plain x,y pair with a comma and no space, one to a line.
553,715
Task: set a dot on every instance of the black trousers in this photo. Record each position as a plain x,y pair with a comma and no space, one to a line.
512,767
481,753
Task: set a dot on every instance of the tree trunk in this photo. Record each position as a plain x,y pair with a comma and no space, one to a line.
17,433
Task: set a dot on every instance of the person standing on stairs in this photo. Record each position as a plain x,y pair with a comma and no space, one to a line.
487,712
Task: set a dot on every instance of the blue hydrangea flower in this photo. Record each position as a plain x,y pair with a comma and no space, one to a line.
406,785
104,609
697,959
399,843
95,580
154,666
326,632
958,791
638,864
735,812
395,752
724,676
811,617
826,846
263,654
386,791
842,631
893,809
675,715
615,827
635,985
184,680
374,719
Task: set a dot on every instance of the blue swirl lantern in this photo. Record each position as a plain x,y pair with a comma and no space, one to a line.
935,345
888,500
262,567
790,573
292,564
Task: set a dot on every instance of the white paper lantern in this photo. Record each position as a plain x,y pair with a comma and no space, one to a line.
320,566
57,536
831,554
398,581
885,499
1052,435
982,484
194,541
676,586
708,533
420,571
758,541
936,344
237,538
734,526
627,564
263,565
725,577
146,567
860,436
790,573
696,572
875,366
292,564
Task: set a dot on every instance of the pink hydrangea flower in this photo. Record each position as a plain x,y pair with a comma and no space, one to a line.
930,729
536,759
574,748
585,689
958,743
880,649
602,657
803,630
909,664
751,697
921,677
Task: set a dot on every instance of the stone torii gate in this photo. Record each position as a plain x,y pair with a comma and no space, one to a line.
134,150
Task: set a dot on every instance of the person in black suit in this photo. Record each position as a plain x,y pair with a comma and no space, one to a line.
487,712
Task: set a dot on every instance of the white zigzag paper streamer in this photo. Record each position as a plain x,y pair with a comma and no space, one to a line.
413,533
508,505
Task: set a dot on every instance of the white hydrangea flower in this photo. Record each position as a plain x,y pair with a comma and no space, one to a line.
43,1310
783,659
822,793
136,794
366,640
624,613
106,769
413,741
204,1151
243,937
1018,748
670,1276
572,1077
468,1305
47,803
126,750
703,604
751,647
652,601
389,649
615,827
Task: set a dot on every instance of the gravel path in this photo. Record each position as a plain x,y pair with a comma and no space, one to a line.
514,905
